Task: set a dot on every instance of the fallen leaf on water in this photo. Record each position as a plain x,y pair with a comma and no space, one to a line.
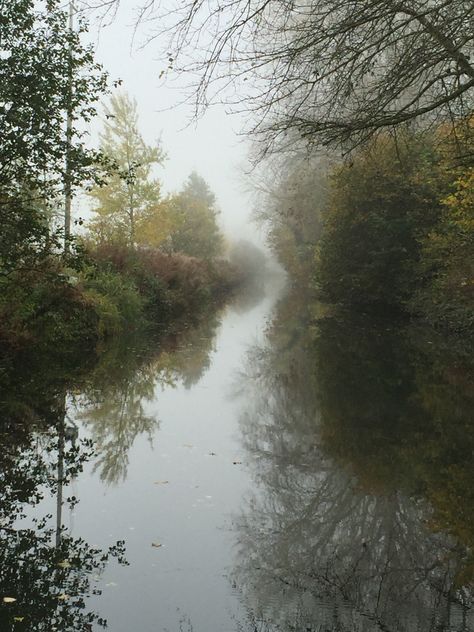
63,597
236,462
161,482
9,599
19,619
156,545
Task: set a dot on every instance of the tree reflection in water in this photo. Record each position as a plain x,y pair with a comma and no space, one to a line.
360,438
46,575
113,401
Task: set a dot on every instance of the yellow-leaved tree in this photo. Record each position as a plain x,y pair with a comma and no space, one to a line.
128,207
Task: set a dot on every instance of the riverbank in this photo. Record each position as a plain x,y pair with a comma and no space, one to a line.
140,425
77,304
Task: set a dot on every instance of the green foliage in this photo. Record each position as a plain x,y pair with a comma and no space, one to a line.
291,211
447,296
110,321
169,285
116,299
391,229
25,239
40,306
45,72
382,205
197,233
47,297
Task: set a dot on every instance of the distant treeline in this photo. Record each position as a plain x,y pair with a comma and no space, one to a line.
391,228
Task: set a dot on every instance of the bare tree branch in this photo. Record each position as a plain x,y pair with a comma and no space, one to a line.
321,71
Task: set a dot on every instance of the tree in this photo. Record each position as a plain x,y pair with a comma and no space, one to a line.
131,195
45,72
381,207
292,198
447,265
197,233
324,71
37,88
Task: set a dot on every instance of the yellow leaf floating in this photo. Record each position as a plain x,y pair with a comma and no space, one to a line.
9,599
63,597
19,619
157,545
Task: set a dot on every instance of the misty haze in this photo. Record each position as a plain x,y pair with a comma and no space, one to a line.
236,316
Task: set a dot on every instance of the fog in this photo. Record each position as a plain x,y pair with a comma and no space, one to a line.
211,145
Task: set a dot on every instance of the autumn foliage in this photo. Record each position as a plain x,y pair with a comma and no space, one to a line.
395,226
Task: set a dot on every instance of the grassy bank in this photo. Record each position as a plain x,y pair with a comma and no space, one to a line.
77,303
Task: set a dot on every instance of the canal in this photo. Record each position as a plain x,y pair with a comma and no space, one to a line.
263,467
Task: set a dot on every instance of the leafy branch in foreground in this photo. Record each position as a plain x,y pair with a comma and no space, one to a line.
45,72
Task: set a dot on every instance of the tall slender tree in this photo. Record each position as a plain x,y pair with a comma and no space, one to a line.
197,233
131,192
45,72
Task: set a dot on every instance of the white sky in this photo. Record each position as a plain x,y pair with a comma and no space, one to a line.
212,147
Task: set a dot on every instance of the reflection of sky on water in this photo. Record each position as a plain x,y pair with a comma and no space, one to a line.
305,474
354,444
195,449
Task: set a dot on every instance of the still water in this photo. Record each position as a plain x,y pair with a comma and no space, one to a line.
262,468
182,478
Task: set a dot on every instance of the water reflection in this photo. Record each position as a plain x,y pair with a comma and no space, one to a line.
360,440
46,575
112,407
113,403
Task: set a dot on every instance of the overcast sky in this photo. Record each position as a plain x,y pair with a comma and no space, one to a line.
212,146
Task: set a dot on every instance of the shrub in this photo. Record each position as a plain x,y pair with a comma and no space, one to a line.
381,206
447,297
169,284
115,297
41,307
